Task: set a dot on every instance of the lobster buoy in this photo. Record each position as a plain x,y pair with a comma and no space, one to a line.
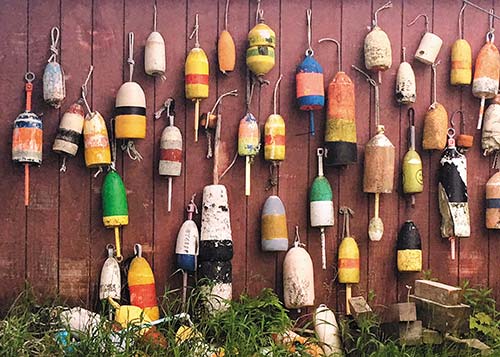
27,137
226,50
435,128
274,229
126,315
260,56
348,268
69,132
490,140
248,144
406,87
298,276
413,179
430,44
377,47
461,57
452,194
274,139
493,202
114,206
141,284
80,320
154,52
321,204
220,289
54,85
327,330
110,285
486,74
409,247
96,141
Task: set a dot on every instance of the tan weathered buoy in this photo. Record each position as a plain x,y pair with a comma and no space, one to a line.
461,56
298,276
406,87
154,53
430,44
490,141
435,121
327,330
493,202
226,50
377,47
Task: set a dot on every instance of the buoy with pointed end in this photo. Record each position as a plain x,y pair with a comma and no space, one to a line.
69,133
327,330
490,140
110,283
413,179
461,56
274,229
493,202
54,83
298,276
248,144
274,139
409,248
154,52
406,87
260,56
430,44
226,50
435,120
377,46
348,269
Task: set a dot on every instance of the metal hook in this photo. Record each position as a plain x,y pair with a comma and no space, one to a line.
387,5
462,120
259,13
110,248
130,59
481,9
403,53
309,51
338,49
460,20
411,116
226,14
426,21
29,77
490,35
233,93
154,18
195,31
296,241
411,122
275,94
138,250
368,78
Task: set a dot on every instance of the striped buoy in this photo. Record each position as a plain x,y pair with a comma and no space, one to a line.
110,282
96,141
274,139
154,52
220,289
377,46
430,44
261,44
461,56
54,85
248,144
274,230
490,140
327,330
406,87
493,202
69,132
409,248
141,284
348,269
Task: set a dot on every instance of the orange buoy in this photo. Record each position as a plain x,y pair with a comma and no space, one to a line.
226,50
435,121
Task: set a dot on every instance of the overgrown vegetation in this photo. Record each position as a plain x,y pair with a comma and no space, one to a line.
246,328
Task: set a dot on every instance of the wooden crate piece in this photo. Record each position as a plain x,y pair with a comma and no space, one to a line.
438,292
401,312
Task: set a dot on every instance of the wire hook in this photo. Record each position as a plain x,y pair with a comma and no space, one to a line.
130,59
387,5
309,51
347,213
275,94
84,89
461,20
154,17
490,35
419,16
196,30
233,93
338,50
462,120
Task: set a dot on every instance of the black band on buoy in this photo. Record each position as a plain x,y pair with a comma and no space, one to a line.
212,250
409,237
130,111
70,136
219,271
340,153
450,178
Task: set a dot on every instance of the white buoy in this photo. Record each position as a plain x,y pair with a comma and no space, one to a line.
110,284
327,330
154,53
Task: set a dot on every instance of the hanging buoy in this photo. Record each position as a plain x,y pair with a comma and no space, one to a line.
463,141
248,144
493,202
196,72
435,120
261,44
226,50
340,131
274,140
141,284
309,81
321,204
452,193
298,276
487,72
406,87
348,258
413,179
186,248
327,330
170,148
110,285
490,140
154,52
409,247
377,47
430,44
274,230
218,292
114,206
69,132
461,56
27,138
54,85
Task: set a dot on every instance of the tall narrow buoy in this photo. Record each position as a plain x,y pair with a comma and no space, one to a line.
110,285
248,144
327,330
54,83
413,179
154,52
461,56
348,258
226,50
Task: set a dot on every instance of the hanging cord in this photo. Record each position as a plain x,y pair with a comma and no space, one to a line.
434,85
309,51
226,14
233,93
132,151
154,18
195,33
275,94
85,89
296,240
490,35
250,88
403,54
54,36
419,16
338,50
130,59
347,213
387,5
377,97
462,120
461,20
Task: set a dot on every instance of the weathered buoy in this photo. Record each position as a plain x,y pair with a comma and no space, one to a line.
261,44
54,84
226,50
69,133
298,276
327,330
435,121
114,206
452,194
463,141
110,283
274,229
80,320
219,290
348,269
248,144
154,52
493,202
321,204
274,139
461,56
406,87
430,44
490,140
409,248
27,138
413,179
377,47
196,72
340,132
141,284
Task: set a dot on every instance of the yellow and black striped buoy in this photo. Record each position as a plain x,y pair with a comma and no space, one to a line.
409,247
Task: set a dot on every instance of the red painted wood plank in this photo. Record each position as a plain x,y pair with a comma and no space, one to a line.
74,189
42,224
14,65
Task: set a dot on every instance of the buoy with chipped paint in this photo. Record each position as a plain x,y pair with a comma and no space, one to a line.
81,320
110,283
321,204
340,132
406,87
54,83
377,46
435,120
413,179
248,144
274,229
409,248
461,57
196,72
430,44
327,330
260,56
274,139
452,194
27,138
493,202
154,52
348,268
463,141
141,284
298,276
490,140
69,133
226,50
218,292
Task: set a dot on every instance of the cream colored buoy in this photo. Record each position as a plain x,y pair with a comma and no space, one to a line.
377,47
406,87
327,330
154,53
430,44
298,276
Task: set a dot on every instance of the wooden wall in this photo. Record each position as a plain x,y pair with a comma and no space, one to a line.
58,243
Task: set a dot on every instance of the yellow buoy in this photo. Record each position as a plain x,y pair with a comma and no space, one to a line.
461,63
260,55
348,258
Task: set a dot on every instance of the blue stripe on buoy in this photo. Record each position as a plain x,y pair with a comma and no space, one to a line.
493,203
186,262
311,102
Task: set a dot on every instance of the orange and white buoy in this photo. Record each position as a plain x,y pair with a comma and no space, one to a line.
154,52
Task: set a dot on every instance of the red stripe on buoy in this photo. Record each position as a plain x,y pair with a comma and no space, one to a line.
348,263
275,139
197,79
143,295
171,155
